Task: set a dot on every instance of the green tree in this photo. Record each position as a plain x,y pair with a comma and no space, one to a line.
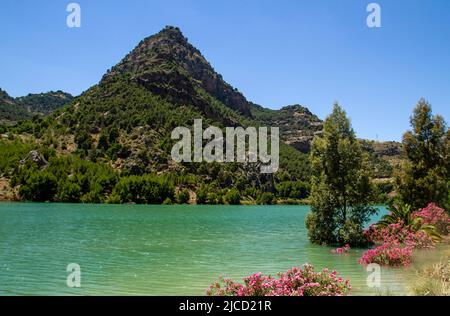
266,198
68,192
424,176
341,189
183,197
202,194
233,197
40,186
83,140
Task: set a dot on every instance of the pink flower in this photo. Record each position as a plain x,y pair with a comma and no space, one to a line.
434,215
295,282
341,250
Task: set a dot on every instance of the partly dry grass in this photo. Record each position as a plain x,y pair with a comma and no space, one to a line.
433,279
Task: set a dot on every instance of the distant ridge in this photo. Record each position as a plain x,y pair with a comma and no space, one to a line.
23,108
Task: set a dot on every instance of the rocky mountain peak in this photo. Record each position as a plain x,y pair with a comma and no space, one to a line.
168,65
299,126
299,110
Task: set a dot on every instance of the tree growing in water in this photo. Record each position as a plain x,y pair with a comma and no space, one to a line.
424,176
341,189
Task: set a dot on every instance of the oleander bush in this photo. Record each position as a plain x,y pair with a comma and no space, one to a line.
399,234
436,216
341,250
298,281
388,254
394,244
402,231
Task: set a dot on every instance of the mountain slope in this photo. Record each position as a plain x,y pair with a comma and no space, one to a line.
168,65
119,132
298,125
23,108
10,110
44,103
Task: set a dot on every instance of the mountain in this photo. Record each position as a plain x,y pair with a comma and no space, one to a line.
10,111
168,65
23,108
108,143
162,83
44,103
298,125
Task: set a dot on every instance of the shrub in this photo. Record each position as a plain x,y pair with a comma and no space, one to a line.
214,198
113,199
295,282
83,140
266,198
68,192
388,254
397,233
341,250
40,186
233,197
202,195
11,153
396,244
145,189
351,233
183,197
436,216
293,189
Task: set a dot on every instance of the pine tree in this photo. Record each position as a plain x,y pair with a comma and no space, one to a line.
424,176
341,189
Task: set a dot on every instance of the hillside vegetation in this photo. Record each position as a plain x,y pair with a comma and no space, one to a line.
112,143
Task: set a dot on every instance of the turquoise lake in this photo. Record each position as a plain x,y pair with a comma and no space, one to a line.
161,250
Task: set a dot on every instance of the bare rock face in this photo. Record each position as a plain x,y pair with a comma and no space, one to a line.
36,157
166,63
297,124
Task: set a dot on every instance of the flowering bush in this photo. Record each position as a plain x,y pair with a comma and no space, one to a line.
388,254
396,243
399,234
436,216
341,250
295,282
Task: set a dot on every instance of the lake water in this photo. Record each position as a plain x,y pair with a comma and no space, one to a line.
161,250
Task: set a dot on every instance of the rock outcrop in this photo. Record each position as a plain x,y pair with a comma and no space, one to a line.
167,64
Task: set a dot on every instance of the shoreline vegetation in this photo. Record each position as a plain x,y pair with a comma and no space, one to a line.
32,170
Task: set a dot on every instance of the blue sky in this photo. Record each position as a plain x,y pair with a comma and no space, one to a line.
276,52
